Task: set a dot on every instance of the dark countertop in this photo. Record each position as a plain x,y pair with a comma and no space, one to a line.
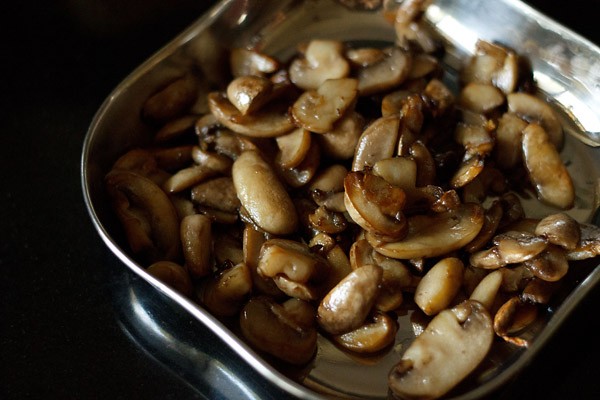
71,325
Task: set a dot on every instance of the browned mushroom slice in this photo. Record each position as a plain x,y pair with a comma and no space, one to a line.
493,216
323,60
539,291
293,147
291,259
398,171
268,326
270,121
371,337
589,243
560,229
171,101
511,247
435,235
364,56
487,289
423,65
508,140
176,129
386,74
329,179
245,62
375,205
468,170
188,177
249,93
218,193
492,64
551,265
546,170
252,241
439,286
408,29
449,349
225,293
514,316
324,220
147,215
212,160
142,162
392,102
263,195
318,110
173,275
196,239
474,138
376,143
173,158
426,169
535,110
347,305
480,97
341,141
303,173
440,96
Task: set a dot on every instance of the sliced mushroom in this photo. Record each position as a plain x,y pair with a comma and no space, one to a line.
324,220
323,59
249,93
439,286
270,121
370,337
318,110
551,265
397,171
560,229
493,64
188,177
171,101
480,97
589,243
225,293
268,326
376,143
293,147
435,235
539,291
468,170
545,168
196,239
511,247
386,74
450,348
329,179
364,56
375,205
347,305
535,110
141,162
218,194
508,140
212,160
493,216
303,173
514,316
173,275
291,259
426,169
262,194
245,62
176,129
252,241
474,138
408,30
340,142
173,158
487,289
147,215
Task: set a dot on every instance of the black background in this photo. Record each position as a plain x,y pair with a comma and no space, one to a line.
65,326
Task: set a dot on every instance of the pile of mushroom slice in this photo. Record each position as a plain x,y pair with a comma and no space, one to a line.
324,195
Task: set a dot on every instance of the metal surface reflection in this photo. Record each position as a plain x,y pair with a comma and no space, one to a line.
184,347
